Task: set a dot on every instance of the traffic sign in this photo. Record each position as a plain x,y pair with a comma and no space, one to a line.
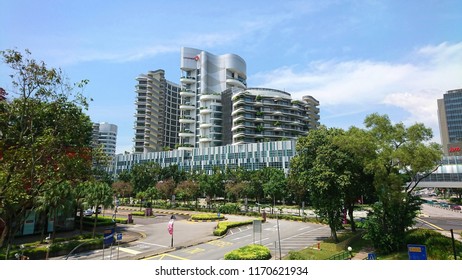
417,252
371,256
108,236
119,236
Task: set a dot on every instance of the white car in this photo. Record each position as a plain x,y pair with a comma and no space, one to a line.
88,212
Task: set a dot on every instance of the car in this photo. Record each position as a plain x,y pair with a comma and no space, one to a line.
88,212
455,207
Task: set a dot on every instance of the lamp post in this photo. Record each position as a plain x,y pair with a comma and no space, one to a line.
170,229
350,252
20,256
48,241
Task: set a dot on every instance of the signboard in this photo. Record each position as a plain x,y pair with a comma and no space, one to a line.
371,256
119,236
108,236
170,226
417,252
257,226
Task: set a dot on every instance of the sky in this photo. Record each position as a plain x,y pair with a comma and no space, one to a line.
356,57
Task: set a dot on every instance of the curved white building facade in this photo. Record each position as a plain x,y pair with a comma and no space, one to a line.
264,114
204,78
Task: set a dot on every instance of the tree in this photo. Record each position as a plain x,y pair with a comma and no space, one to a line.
359,147
212,185
166,188
44,136
99,194
322,168
187,190
145,175
274,184
404,156
122,188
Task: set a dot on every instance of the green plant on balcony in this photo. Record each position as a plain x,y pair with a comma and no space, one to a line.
259,128
277,123
258,98
259,114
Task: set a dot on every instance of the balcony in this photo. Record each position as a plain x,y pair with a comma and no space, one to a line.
187,80
204,139
187,93
187,106
277,113
237,126
214,96
205,125
238,110
205,111
186,133
235,82
186,148
187,120
238,118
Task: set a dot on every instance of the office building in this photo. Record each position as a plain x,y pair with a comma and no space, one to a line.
450,122
157,113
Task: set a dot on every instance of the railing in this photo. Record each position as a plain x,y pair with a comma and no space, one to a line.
344,255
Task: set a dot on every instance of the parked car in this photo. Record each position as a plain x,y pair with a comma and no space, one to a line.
88,212
456,207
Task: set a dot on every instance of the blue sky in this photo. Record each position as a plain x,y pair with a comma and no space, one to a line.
355,57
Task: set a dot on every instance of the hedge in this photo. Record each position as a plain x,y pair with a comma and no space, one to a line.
222,227
201,217
249,252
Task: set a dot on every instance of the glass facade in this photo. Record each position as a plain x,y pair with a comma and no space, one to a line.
249,156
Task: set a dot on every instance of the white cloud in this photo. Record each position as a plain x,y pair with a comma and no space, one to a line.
412,86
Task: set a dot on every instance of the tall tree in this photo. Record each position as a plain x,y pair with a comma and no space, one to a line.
322,167
44,136
145,175
359,147
187,190
275,184
404,155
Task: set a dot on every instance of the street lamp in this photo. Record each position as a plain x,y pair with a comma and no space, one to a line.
350,252
20,256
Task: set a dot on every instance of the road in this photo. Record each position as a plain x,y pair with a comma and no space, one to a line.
440,219
292,235
195,240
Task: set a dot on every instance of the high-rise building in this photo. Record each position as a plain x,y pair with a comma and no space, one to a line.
204,79
157,113
213,107
105,136
263,114
450,122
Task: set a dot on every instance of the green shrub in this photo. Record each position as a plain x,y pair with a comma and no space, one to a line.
439,247
138,213
292,255
222,227
230,208
207,216
249,252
